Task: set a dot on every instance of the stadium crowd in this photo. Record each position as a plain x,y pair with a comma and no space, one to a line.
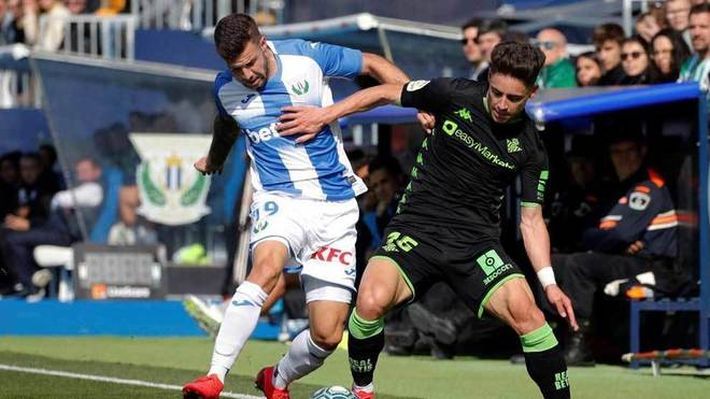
40,23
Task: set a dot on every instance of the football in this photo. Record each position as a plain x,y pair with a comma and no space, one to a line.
334,392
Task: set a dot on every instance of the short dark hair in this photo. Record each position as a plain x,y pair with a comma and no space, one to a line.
232,34
699,9
496,26
606,32
472,23
520,60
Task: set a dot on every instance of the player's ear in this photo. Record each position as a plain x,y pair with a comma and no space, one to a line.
533,91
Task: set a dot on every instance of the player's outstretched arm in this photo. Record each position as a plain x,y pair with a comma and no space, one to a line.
537,246
225,133
382,70
386,72
309,121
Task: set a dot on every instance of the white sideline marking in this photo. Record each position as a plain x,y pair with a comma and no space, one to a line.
122,381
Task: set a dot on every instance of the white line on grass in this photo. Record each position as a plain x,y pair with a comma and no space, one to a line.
122,381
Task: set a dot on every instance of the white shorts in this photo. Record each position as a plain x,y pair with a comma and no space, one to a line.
320,235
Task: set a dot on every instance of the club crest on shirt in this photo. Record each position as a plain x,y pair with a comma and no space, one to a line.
300,88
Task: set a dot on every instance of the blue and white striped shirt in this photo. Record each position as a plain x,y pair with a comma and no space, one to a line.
317,169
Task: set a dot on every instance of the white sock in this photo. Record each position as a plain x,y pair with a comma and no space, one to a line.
239,322
302,357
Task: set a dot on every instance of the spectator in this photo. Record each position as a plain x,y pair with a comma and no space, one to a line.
490,33
131,229
33,196
636,63
589,69
607,40
111,7
50,175
8,34
60,229
558,71
471,49
9,182
386,181
76,7
677,14
668,51
697,67
647,26
28,21
573,208
636,242
51,30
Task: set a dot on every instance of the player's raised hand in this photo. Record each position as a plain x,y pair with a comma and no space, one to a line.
202,165
426,120
306,121
562,303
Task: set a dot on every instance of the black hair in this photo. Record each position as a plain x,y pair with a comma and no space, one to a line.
232,34
520,60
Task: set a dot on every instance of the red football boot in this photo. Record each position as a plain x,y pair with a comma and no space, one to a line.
206,387
265,382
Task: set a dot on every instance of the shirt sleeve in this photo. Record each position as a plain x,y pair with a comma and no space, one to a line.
627,220
86,195
336,61
222,79
428,95
534,176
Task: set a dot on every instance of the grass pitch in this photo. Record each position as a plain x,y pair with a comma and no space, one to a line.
174,361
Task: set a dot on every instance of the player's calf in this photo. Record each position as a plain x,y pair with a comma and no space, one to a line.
366,339
545,363
513,303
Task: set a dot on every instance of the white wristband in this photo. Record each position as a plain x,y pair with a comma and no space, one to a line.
546,276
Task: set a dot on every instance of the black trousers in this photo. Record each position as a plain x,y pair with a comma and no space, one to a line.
580,275
18,247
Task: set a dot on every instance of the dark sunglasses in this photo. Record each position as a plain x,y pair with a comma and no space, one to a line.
633,54
465,40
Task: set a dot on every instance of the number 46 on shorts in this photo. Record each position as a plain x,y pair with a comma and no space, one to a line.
396,242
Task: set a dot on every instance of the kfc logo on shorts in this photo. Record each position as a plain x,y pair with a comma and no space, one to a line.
328,254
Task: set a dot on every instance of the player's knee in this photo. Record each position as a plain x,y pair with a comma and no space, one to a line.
265,273
372,303
525,315
326,338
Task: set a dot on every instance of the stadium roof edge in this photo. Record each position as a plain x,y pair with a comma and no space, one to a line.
357,22
152,68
